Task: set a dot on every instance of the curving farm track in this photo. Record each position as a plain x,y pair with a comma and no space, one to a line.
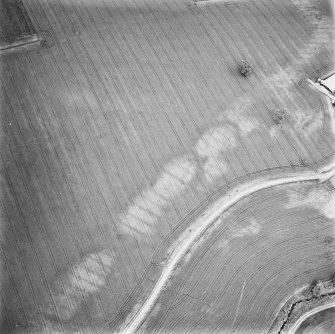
196,230
124,127
330,322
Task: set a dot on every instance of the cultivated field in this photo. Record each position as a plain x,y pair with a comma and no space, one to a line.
268,246
15,23
118,136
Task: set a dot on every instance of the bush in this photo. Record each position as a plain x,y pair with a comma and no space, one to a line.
279,117
319,289
245,68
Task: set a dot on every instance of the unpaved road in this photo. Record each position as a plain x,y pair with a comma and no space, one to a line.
307,315
198,228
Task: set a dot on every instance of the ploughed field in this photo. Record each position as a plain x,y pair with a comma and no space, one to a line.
267,246
15,22
115,138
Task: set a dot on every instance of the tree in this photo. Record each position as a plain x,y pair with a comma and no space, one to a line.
245,68
319,289
279,117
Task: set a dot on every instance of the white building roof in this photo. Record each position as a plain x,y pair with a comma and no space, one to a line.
330,82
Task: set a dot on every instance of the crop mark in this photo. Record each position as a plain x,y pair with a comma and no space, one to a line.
216,140
320,199
143,208
147,208
142,215
232,256
263,251
313,198
217,194
252,229
273,260
83,280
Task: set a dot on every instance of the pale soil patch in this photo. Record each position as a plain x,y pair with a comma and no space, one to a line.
306,122
191,238
237,112
214,168
274,132
175,178
82,280
314,198
215,141
320,199
148,207
252,229
245,124
223,138
211,145
219,140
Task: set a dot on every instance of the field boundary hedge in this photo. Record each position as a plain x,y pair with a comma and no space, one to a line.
319,295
